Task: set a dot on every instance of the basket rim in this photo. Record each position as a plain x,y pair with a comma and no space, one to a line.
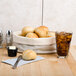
18,32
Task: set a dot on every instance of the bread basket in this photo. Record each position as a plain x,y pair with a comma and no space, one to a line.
24,43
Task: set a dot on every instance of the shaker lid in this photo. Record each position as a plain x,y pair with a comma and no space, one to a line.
0,32
9,32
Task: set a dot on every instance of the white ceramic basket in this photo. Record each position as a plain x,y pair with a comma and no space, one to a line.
38,44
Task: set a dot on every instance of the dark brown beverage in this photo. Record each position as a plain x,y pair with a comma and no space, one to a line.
63,40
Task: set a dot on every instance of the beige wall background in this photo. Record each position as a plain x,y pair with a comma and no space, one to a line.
58,15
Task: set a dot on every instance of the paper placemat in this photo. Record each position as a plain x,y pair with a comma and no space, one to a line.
22,62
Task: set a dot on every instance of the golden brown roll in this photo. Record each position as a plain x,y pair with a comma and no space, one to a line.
32,35
44,27
26,30
21,35
29,55
41,31
50,34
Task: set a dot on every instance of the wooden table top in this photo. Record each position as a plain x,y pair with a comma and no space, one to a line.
50,66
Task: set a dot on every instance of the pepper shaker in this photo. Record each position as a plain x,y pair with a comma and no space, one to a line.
1,39
9,38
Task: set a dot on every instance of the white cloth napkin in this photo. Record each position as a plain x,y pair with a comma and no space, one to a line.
37,48
22,62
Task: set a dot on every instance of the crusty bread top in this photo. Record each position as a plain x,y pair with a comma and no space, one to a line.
41,31
31,35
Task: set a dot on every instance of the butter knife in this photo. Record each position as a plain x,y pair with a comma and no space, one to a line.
18,59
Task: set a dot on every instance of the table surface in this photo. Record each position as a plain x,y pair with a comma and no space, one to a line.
50,66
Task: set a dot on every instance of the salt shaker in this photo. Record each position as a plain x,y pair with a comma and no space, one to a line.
9,38
1,39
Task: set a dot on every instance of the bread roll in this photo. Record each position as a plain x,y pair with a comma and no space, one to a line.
29,55
44,27
31,35
50,34
26,30
21,35
41,31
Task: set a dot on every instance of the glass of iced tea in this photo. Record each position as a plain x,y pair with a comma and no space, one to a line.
63,40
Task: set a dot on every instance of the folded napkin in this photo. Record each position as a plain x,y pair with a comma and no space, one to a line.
22,62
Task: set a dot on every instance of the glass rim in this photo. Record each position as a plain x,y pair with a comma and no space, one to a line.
64,31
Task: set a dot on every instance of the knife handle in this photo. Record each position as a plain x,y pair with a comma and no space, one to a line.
18,59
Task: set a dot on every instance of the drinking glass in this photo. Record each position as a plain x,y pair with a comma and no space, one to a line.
63,40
